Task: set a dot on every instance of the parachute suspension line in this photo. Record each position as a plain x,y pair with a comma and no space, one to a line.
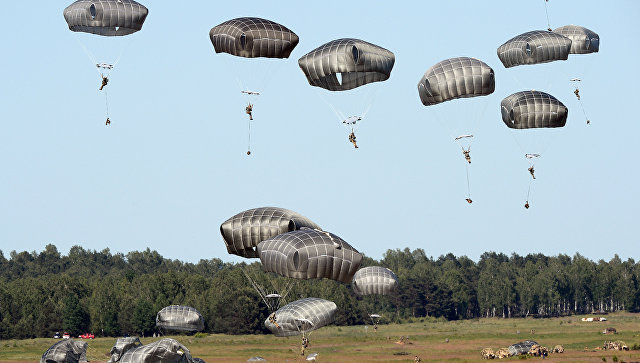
547,12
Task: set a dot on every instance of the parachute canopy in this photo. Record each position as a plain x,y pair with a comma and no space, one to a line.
521,348
179,317
165,350
533,109
308,254
356,61
122,346
243,232
374,280
534,47
302,316
456,78
252,38
583,40
105,17
66,351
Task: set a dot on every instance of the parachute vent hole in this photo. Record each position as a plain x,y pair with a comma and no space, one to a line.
292,226
243,40
354,51
92,11
527,49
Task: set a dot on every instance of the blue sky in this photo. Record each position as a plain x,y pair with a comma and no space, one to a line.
172,165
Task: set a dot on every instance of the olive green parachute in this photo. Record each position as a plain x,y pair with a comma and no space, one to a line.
310,253
534,47
253,37
66,351
583,40
105,17
165,350
356,61
179,317
376,280
533,109
243,232
453,78
122,346
302,316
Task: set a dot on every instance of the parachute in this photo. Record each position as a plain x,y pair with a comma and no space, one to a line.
454,78
178,317
533,109
374,280
521,348
67,351
252,38
106,17
310,253
534,47
583,40
165,350
356,61
122,346
243,232
302,316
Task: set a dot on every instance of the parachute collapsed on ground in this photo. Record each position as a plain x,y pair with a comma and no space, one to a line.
533,109
521,348
583,40
165,350
538,46
374,280
243,232
253,37
66,351
122,346
106,17
302,316
310,253
356,62
179,317
454,78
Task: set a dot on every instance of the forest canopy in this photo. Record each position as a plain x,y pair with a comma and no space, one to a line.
113,294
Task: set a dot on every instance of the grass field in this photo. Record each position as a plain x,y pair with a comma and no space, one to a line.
427,339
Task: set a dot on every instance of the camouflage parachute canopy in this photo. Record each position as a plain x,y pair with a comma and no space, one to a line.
165,350
538,46
356,61
179,317
243,232
533,109
252,38
105,17
66,351
302,316
310,253
374,280
456,78
121,347
522,347
583,40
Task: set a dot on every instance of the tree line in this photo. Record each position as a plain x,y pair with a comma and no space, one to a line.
113,294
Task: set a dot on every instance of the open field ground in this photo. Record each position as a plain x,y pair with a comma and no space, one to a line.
427,339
